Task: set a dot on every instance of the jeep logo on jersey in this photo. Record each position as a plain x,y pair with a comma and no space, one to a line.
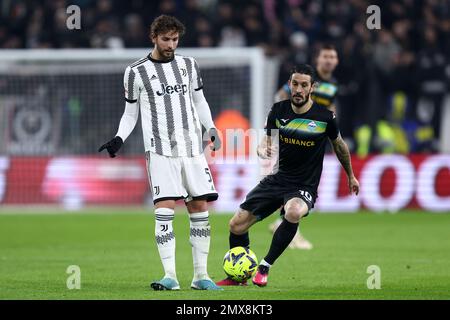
166,89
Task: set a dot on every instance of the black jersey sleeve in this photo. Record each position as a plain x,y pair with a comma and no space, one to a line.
332,128
270,121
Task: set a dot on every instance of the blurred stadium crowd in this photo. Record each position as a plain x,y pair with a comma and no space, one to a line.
392,82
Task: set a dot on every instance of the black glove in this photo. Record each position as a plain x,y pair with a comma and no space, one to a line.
215,139
112,146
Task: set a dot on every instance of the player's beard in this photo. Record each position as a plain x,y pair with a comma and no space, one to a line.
165,54
301,104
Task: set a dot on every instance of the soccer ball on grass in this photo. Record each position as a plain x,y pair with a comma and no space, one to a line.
240,263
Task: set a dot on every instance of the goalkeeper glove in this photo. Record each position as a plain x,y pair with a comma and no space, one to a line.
112,146
215,139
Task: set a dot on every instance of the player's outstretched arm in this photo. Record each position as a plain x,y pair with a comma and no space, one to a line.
343,155
126,126
130,114
112,146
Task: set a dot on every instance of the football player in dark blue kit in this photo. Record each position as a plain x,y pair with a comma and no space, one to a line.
303,128
325,91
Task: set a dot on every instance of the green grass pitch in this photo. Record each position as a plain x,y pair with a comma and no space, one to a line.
118,258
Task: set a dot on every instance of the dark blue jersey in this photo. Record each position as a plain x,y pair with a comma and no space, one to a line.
302,141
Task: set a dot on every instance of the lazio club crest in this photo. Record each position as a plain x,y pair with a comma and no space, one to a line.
312,126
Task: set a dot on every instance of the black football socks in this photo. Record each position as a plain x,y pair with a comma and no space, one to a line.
281,239
239,240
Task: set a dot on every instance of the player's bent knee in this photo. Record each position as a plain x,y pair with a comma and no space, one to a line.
294,214
295,209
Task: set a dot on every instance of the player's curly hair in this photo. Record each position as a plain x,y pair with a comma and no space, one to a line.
164,24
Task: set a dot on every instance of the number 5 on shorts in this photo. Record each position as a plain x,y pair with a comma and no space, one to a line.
209,174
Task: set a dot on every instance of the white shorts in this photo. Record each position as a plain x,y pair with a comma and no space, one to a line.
174,178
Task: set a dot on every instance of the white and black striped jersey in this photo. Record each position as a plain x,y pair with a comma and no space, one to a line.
163,90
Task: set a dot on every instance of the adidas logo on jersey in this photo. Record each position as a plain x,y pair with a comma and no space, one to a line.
166,89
